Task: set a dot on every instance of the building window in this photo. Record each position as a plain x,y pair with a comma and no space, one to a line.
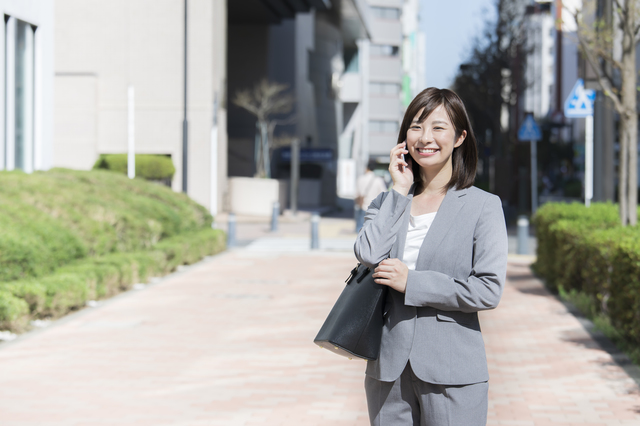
385,12
19,85
383,126
384,50
387,89
351,60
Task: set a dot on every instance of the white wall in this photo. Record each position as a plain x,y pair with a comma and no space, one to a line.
41,14
118,43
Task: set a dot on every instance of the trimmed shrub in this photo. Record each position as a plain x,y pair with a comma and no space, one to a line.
69,236
148,166
585,252
558,226
13,312
70,287
48,219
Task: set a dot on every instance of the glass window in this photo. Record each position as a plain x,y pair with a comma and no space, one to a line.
22,65
384,50
391,89
351,60
385,12
383,126
387,89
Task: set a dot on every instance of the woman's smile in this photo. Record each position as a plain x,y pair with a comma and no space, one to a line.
427,152
431,141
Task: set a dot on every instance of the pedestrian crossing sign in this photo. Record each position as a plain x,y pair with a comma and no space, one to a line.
580,101
529,130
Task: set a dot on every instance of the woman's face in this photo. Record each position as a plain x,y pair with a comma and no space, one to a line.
431,141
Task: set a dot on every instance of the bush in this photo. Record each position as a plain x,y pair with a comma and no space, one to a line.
13,312
585,252
70,236
49,219
153,167
559,226
70,287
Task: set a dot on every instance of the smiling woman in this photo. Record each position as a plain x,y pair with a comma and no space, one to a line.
437,119
440,245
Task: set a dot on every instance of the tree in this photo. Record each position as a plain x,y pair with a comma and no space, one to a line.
491,79
264,101
610,50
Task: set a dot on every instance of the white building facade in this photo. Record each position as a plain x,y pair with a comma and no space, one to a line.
378,83
26,119
105,49
539,47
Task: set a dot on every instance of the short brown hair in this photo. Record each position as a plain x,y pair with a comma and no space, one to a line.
464,157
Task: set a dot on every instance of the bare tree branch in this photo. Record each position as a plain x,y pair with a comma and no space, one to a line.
608,88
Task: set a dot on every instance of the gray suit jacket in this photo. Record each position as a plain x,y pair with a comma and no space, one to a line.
461,269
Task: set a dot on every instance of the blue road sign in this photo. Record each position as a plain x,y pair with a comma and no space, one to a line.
580,101
529,131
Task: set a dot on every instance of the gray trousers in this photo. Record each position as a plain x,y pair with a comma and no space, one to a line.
411,402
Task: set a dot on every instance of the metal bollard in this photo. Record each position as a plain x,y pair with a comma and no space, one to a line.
231,230
315,241
523,235
274,216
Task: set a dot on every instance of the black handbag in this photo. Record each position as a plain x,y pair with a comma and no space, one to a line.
354,326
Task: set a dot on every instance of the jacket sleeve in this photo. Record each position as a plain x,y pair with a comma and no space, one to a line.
483,288
381,225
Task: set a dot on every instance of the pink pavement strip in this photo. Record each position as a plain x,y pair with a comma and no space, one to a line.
229,342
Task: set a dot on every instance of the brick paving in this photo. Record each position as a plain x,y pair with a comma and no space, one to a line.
229,342
545,368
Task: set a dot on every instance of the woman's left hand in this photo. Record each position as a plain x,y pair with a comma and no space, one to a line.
392,273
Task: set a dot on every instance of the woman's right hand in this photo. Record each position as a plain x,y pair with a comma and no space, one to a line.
400,169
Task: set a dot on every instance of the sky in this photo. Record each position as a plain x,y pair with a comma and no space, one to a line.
450,27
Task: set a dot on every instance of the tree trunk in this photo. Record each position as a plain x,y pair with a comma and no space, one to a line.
629,122
257,152
266,163
623,172
632,186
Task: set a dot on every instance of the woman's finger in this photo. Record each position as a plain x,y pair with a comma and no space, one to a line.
385,268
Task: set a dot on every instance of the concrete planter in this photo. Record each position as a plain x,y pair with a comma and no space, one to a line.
253,196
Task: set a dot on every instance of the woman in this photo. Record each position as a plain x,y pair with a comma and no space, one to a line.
432,368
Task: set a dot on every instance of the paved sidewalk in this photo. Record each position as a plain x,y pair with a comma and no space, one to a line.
545,368
229,342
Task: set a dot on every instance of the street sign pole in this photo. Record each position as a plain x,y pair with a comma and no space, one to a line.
534,176
580,104
530,131
588,160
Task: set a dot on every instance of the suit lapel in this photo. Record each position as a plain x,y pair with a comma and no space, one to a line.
397,250
444,220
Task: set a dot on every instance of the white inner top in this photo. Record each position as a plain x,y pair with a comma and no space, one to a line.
418,228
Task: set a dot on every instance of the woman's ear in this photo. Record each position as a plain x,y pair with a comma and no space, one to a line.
461,139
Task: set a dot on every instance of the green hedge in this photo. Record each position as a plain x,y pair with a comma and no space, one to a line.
585,250
48,219
71,286
94,278
70,236
148,166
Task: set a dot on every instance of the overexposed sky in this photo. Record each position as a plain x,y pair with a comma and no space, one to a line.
450,27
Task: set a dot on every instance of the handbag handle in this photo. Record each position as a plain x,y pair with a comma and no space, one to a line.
354,272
